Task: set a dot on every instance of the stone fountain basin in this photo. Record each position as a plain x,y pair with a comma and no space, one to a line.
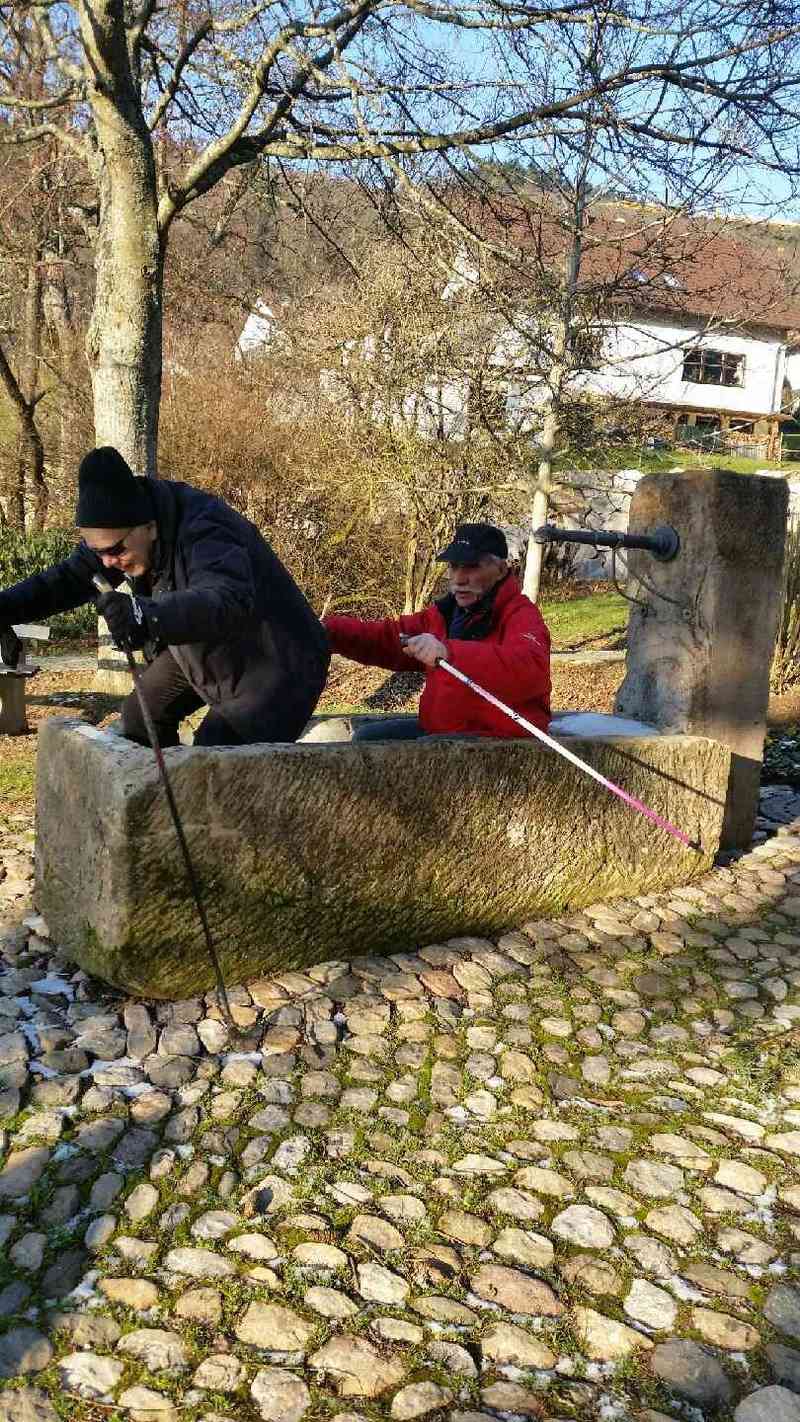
325,849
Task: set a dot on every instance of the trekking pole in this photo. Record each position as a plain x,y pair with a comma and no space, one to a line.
569,755
104,586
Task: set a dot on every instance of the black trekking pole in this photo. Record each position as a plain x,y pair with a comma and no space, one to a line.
104,586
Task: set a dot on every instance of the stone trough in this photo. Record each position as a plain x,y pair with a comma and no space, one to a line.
323,850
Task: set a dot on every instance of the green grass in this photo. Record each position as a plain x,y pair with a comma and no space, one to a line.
651,461
17,781
584,617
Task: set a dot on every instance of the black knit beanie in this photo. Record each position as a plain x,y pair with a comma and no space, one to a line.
109,494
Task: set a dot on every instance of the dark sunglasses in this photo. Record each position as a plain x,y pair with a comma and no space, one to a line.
114,549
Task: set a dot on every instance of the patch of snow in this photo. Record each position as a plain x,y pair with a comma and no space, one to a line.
111,1066
54,986
473,1301
611,1411
682,1290
64,1151
85,1293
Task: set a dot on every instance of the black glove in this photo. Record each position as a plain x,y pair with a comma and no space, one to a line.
125,620
10,647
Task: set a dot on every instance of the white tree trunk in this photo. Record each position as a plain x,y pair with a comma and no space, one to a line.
123,345
532,581
124,339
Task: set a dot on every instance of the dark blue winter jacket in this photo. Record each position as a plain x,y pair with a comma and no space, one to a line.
218,596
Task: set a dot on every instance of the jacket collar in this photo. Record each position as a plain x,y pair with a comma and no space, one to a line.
483,614
165,506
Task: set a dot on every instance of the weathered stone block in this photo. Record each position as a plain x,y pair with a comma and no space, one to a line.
702,632
311,852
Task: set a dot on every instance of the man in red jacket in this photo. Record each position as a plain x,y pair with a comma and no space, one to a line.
485,626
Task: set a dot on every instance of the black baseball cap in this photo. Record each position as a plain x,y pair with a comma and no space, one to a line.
472,541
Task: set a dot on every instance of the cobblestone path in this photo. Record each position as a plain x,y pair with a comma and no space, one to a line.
553,1176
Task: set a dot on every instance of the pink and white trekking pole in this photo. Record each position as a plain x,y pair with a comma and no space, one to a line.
570,756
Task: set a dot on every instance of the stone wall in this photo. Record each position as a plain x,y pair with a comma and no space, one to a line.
601,498
597,498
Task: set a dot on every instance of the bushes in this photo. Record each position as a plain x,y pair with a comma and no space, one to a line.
22,554
353,507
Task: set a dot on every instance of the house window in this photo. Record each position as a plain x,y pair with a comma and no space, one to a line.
703,366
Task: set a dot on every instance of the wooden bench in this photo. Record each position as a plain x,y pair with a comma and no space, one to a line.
13,720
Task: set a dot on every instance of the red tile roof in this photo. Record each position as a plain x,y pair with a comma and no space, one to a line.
651,260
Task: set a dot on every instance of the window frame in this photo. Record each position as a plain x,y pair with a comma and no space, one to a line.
708,357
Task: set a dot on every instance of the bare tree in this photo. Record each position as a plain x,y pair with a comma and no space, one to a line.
162,102
388,356
561,258
37,237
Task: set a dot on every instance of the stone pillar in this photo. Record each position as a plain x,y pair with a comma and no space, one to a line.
700,639
13,720
112,675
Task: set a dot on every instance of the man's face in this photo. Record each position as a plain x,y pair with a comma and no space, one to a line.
128,549
470,581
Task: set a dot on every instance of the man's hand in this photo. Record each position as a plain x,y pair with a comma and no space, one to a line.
10,647
426,648
125,620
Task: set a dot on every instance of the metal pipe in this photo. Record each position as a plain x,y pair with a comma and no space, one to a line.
664,542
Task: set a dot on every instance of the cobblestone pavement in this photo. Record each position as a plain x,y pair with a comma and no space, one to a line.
553,1176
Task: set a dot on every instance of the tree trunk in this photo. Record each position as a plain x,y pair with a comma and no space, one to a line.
532,581
412,553
32,456
124,339
123,344
558,376
28,380
61,331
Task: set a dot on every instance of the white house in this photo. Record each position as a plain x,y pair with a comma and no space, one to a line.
704,341
259,330
728,382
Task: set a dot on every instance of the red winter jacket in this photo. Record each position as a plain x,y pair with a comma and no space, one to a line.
512,661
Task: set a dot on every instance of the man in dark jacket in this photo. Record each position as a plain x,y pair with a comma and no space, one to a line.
484,626
221,621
